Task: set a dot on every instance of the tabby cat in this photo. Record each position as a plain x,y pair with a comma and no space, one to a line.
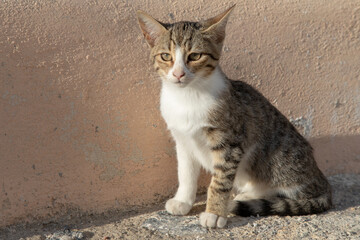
228,128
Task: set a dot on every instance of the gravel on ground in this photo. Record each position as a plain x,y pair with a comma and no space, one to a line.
342,222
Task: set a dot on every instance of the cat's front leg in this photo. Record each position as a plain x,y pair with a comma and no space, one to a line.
188,172
219,190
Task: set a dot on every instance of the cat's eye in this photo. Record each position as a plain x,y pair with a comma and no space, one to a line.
166,57
194,56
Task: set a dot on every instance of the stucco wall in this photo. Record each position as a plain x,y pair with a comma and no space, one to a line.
80,127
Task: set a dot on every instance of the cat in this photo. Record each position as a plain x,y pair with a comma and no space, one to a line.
228,128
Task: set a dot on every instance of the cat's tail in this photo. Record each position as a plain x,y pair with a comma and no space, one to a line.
281,206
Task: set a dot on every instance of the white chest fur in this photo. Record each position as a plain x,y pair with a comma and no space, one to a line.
186,110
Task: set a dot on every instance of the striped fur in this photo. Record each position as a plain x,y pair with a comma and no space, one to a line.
281,206
230,129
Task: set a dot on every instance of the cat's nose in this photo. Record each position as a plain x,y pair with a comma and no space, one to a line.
178,74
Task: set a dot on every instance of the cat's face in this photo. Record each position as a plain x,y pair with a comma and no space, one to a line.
184,52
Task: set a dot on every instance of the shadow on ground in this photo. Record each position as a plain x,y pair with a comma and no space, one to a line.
341,222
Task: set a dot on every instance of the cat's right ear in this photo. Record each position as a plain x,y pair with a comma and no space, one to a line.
150,27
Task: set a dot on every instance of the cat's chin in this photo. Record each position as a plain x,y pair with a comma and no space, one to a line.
181,84
178,84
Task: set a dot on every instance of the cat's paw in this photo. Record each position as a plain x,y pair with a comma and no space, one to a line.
176,207
212,220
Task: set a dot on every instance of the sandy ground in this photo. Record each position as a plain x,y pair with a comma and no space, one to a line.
342,222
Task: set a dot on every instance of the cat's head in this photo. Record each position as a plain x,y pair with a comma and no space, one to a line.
184,52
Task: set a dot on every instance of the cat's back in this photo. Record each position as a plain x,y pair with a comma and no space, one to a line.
252,117
246,94
246,104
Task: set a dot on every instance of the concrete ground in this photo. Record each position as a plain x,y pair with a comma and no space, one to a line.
342,222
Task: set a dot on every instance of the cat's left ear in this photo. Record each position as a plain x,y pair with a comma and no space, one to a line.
150,27
215,26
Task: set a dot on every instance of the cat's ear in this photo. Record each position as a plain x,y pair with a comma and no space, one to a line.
150,27
215,26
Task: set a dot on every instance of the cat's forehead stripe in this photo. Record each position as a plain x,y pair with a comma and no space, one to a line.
182,33
172,41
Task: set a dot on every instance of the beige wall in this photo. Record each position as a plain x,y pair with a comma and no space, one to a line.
80,128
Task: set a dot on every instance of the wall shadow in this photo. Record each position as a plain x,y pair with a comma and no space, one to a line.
337,154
